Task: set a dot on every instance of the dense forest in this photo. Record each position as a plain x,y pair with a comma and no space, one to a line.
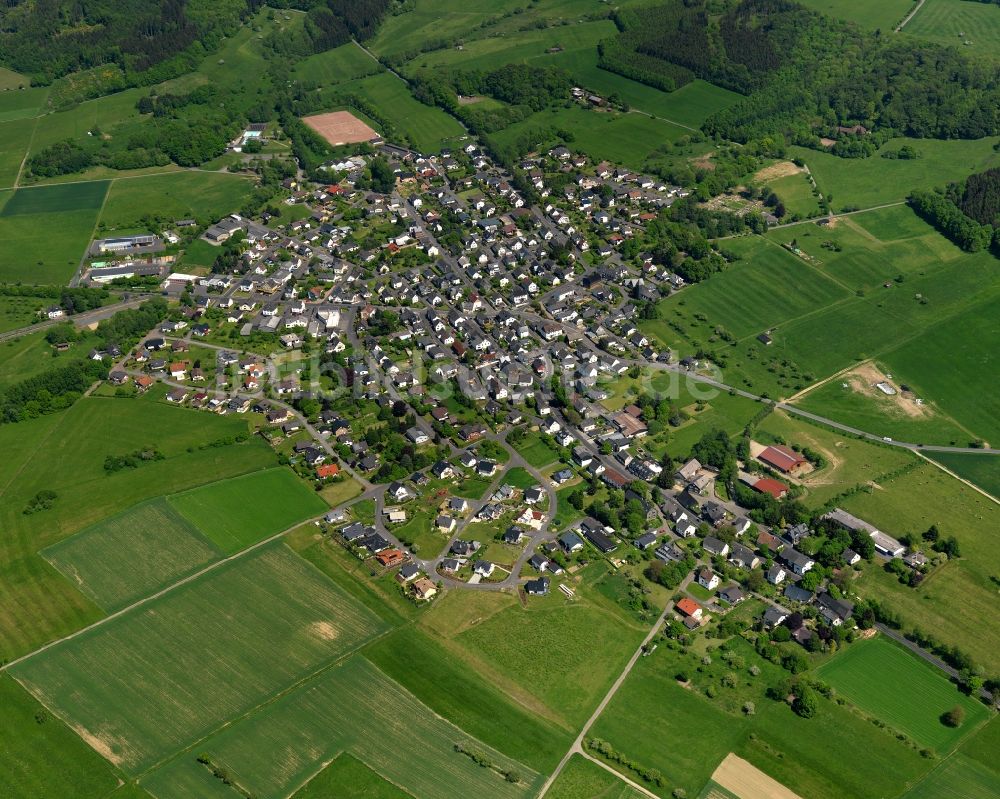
979,196
948,218
804,74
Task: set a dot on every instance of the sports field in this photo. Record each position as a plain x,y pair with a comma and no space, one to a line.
132,555
205,196
426,126
237,513
907,693
340,127
46,231
65,453
352,707
956,22
156,679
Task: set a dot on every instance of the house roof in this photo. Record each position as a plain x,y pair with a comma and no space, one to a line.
782,458
768,485
687,606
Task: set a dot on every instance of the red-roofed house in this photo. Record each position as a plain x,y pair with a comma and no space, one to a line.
327,470
390,557
688,607
768,485
782,458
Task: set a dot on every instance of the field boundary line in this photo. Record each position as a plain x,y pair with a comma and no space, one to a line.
27,153
910,16
970,484
631,783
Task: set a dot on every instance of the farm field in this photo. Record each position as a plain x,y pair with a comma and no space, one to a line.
171,196
982,470
278,748
582,779
427,127
959,777
884,15
41,756
22,104
15,137
343,63
236,513
850,461
628,139
908,694
469,697
525,645
12,80
686,735
46,231
945,602
131,555
37,603
795,192
955,22
866,182
348,778
154,680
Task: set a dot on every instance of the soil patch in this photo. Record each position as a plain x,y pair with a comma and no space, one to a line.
748,782
782,169
868,380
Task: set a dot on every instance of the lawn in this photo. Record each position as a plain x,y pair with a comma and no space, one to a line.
907,693
41,756
426,127
239,512
884,15
948,603
470,699
154,680
864,182
65,453
132,555
982,470
204,196
548,649
536,451
520,478
348,778
46,230
352,708
943,20
582,779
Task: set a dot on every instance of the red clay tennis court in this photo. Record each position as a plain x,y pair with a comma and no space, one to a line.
340,127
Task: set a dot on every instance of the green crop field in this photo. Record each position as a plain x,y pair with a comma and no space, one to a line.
547,649
628,139
41,756
959,777
433,671
15,136
21,104
426,126
104,113
582,779
237,513
947,602
907,693
351,707
154,680
865,182
132,555
884,15
174,195
348,778
982,470
46,231
956,22
37,602
684,734
343,63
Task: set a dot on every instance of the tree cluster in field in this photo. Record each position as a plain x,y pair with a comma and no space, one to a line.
804,73
950,221
43,500
482,759
72,300
223,776
131,460
608,752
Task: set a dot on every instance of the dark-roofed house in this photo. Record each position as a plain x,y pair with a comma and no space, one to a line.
646,541
732,594
799,562
537,587
715,546
835,611
744,557
571,542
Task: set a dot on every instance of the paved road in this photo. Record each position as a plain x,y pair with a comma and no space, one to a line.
80,320
577,746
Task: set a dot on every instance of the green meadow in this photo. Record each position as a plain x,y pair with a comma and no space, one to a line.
955,22
884,15
156,679
982,470
583,779
131,555
236,513
204,196
343,63
348,778
15,137
38,603
907,693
